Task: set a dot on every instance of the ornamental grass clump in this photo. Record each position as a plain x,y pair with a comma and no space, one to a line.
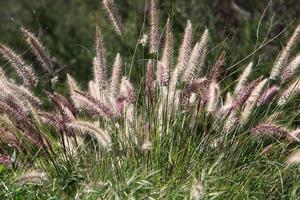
181,120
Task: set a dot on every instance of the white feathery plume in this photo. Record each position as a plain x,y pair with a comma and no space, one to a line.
127,91
295,135
99,64
197,192
32,177
192,64
231,121
116,78
93,89
101,135
163,66
268,95
243,79
270,129
176,100
162,103
203,45
23,70
183,59
23,93
173,84
197,58
114,16
251,102
284,55
291,69
228,99
39,51
14,96
154,34
293,89
226,107
73,86
294,158
185,49
98,78
93,105
213,97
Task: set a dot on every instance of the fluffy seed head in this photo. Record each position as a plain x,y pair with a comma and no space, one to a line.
294,158
116,77
268,95
114,16
251,102
39,51
231,120
163,66
154,32
91,104
295,135
102,136
213,97
284,55
99,65
215,72
243,79
195,86
228,99
93,90
242,95
197,58
291,69
270,129
197,192
72,84
24,71
127,90
33,177
22,93
292,90
185,49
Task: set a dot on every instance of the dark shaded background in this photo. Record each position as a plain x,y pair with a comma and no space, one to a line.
67,28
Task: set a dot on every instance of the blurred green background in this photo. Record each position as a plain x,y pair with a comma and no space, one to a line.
67,28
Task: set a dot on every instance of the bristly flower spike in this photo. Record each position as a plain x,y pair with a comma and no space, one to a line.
293,89
100,77
116,77
284,55
154,34
23,70
251,102
291,69
163,66
39,51
270,129
114,16
268,95
243,79
197,58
